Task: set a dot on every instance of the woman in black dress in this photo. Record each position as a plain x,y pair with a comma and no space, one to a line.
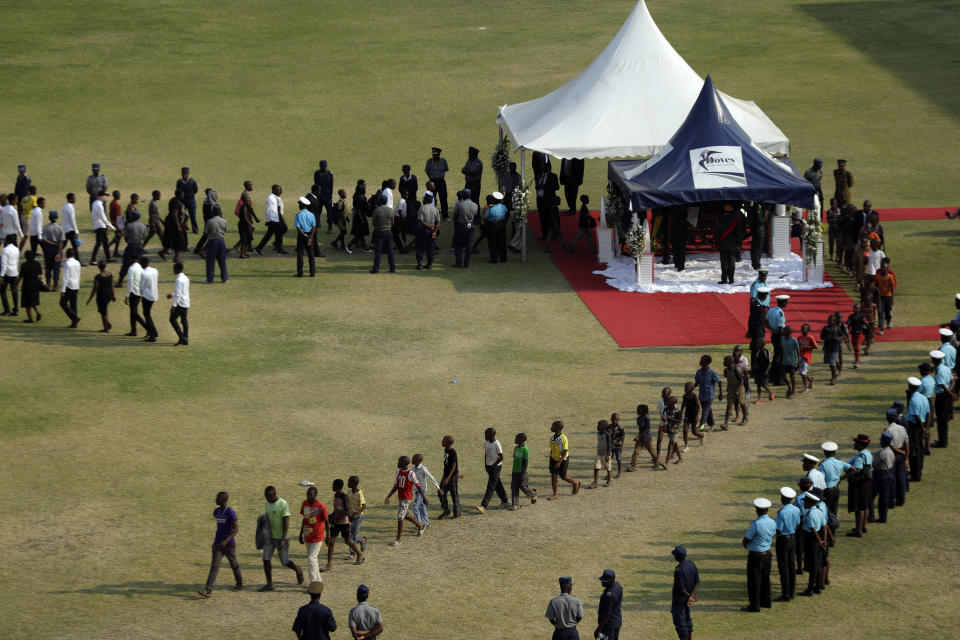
30,283
103,290
360,227
175,228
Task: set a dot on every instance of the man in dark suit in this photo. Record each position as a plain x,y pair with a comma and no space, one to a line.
547,186
324,179
473,174
538,160
188,187
571,177
316,203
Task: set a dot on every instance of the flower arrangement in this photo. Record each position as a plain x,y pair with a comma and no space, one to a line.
616,206
812,235
520,200
636,241
500,160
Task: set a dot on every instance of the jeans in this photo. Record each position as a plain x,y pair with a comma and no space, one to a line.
884,311
383,241
518,483
450,491
493,485
216,253
424,245
355,529
884,485
706,412
420,509
230,551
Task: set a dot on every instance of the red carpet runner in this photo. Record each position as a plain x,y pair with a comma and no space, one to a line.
691,319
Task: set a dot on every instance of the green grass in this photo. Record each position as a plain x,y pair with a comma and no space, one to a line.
112,450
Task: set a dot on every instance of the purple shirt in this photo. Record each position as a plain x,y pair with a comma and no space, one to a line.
225,518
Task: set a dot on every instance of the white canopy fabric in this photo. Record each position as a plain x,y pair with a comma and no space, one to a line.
629,102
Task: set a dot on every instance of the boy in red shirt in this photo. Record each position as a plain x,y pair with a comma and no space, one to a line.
313,530
403,485
807,344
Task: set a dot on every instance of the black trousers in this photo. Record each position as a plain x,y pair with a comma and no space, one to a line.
11,282
191,206
519,483
756,250
133,300
462,243
450,492
148,318
441,194
425,245
230,551
943,408
831,496
728,264
68,302
131,253
51,266
917,450
497,241
216,256
776,373
72,239
799,544
474,192
181,327
758,578
101,235
304,249
570,194
383,242
678,242
494,484
326,202
786,558
275,231
884,488
900,482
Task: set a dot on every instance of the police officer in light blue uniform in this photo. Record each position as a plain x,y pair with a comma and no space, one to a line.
833,471
787,522
942,402
804,484
760,281
776,321
918,422
757,542
949,351
815,545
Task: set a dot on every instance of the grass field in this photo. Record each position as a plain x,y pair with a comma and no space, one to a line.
112,450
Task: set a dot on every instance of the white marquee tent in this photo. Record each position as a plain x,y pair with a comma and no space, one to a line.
629,102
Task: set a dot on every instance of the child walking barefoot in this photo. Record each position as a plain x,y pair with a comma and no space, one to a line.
403,485
644,439
807,344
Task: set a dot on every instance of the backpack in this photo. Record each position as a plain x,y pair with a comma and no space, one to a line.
263,528
833,521
867,472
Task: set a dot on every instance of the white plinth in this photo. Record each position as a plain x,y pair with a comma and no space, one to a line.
814,269
645,270
604,245
779,237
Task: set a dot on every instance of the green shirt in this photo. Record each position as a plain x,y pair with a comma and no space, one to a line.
276,511
520,456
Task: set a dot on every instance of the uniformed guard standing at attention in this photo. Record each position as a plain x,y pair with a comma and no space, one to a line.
815,546
776,321
464,213
22,187
436,170
728,242
943,402
473,174
564,612
686,581
833,471
918,422
757,218
844,181
189,188
96,183
788,520
757,542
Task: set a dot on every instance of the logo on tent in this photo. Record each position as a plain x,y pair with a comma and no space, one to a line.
717,167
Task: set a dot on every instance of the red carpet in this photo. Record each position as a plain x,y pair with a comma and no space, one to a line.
929,213
688,319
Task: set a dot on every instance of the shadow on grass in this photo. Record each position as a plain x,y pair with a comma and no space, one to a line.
138,588
46,334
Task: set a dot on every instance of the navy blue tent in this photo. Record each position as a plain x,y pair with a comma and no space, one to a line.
710,158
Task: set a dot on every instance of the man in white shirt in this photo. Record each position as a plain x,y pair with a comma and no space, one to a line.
9,270
69,288
68,220
35,225
387,191
10,218
148,295
276,226
180,304
98,216
493,461
132,299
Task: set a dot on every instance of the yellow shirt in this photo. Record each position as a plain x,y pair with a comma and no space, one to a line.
558,444
355,501
28,203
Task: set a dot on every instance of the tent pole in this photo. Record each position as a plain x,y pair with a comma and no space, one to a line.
523,180
500,177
